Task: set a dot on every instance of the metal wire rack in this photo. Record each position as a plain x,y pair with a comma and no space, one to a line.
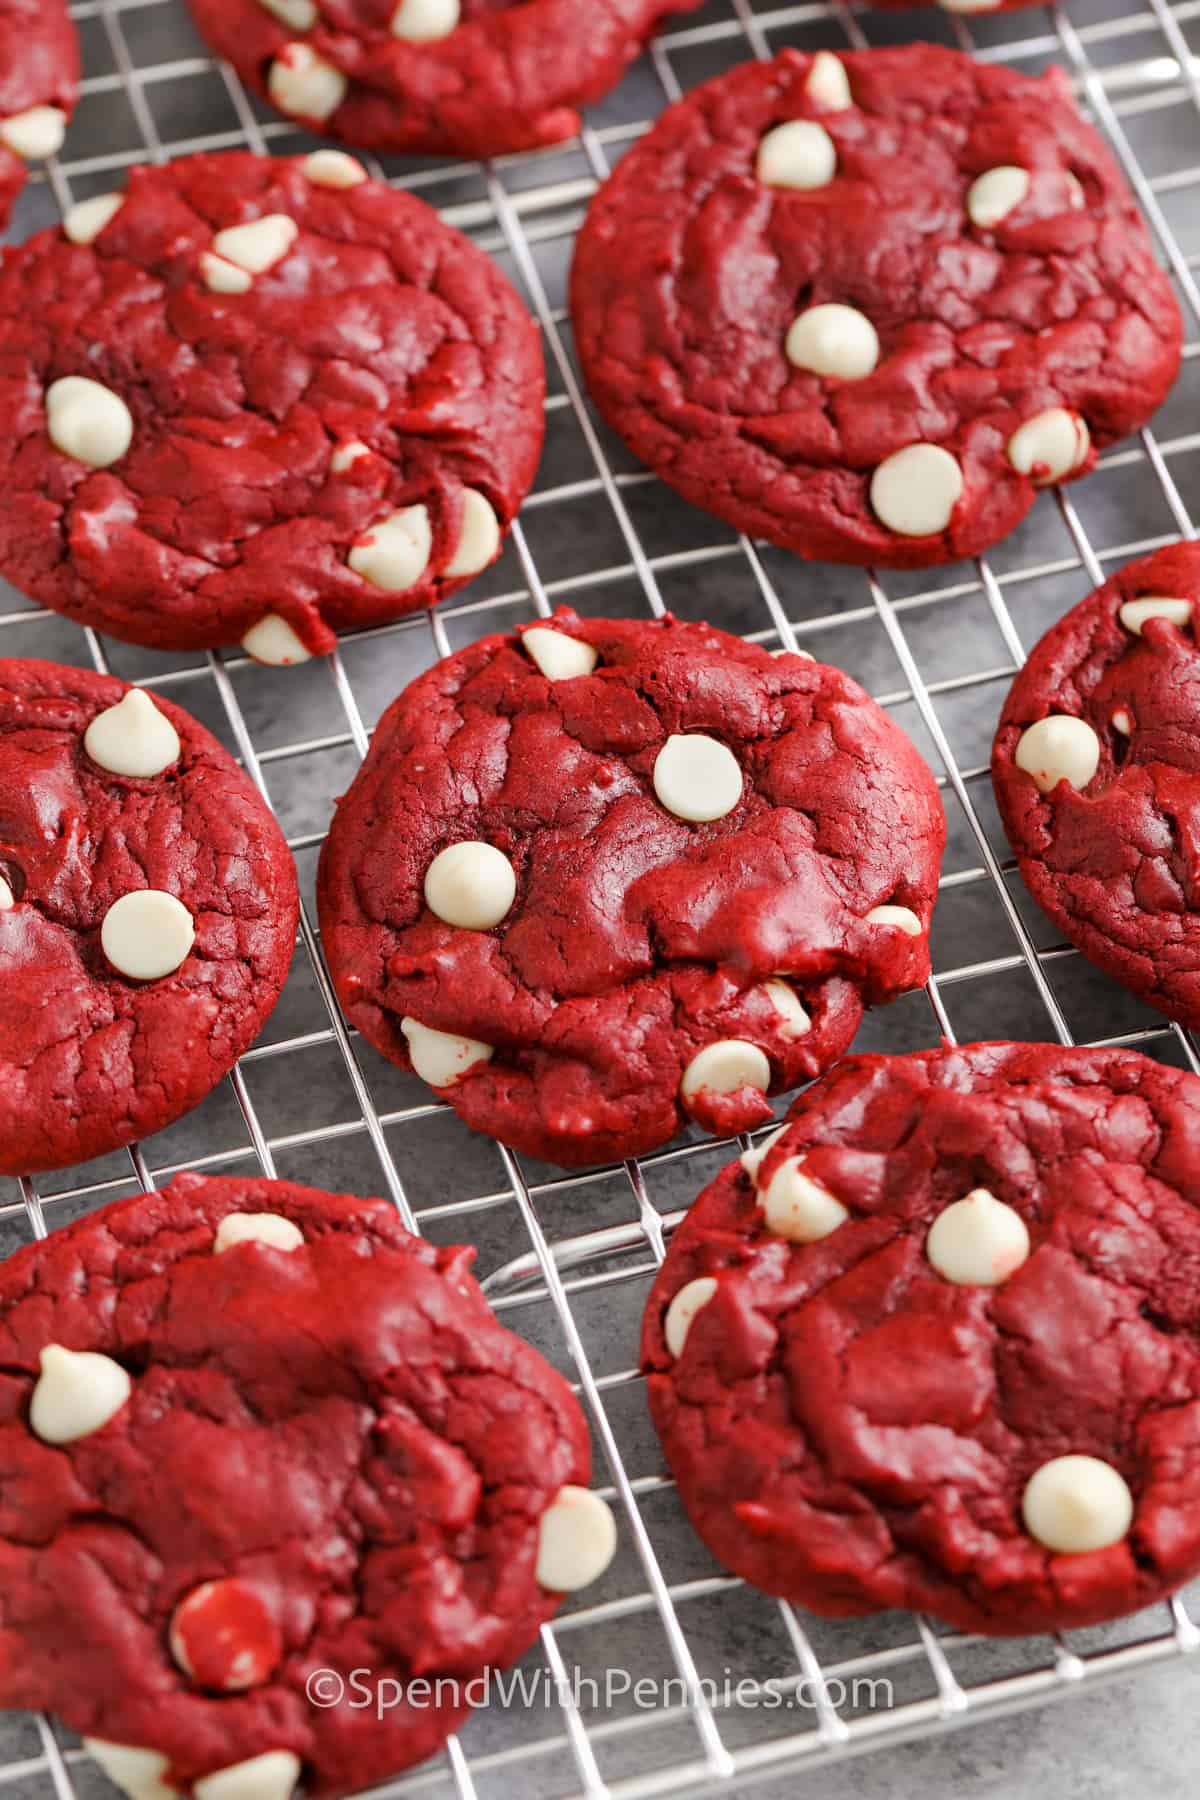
565,1259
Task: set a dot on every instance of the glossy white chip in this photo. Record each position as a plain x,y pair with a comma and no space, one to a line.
258,245
559,657
303,85
798,1208
1059,748
76,1393
828,84
257,1228
470,884
683,1309
272,641
147,934
833,340
800,154
1134,613
7,898
992,196
794,1021
422,21
132,737
344,456
84,222
1122,722
299,15
138,1773
88,421
395,553
441,1057
271,1776
915,490
753,1159
979,1241
478,540
902,917
35,133
577,1539
724,1067
221,277
1050,446
333,169
697,778
1077,1503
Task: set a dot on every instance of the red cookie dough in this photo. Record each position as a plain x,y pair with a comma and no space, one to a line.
39,85
91,1058
854,1431
951,345
473,79
638,943
332,1458
333,440
1112,851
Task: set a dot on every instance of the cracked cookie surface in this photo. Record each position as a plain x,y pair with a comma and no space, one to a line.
92,1057
864,305
39,85
259,390
699,861
338,1438
854,1430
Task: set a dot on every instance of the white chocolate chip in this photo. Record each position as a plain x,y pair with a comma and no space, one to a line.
299,15
795,1022
1134,613
132,737
559,657
138,1773
828,84
903,918
258,245
273,642
87,421
1075,194
221,277
979,1241
577,1539
36,133
76,1393
1049,446
470,884
1077,1503
1059,748
344,456
697,778
395,553
7,898
798,1208
993,196
441,1057
800,154
303,85
833,340
271,1776
753,1159
683,1309
478,540
421,21
257,1228
915,490
147,934
1122,722
333,169
723,1068
84,222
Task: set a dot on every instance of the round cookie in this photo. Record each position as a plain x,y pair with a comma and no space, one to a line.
256,1440
939,1346
603,876
1096,767
39,85
147,914
437,76
258,399
865,305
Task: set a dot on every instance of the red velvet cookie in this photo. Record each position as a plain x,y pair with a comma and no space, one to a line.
1096,767
866,305
147,914
606,874
465,77
39,85
258,399
937,1344
257,1442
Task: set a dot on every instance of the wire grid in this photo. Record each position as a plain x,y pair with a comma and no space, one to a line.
567,1259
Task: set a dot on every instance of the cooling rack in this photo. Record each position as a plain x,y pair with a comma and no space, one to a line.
567,1260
